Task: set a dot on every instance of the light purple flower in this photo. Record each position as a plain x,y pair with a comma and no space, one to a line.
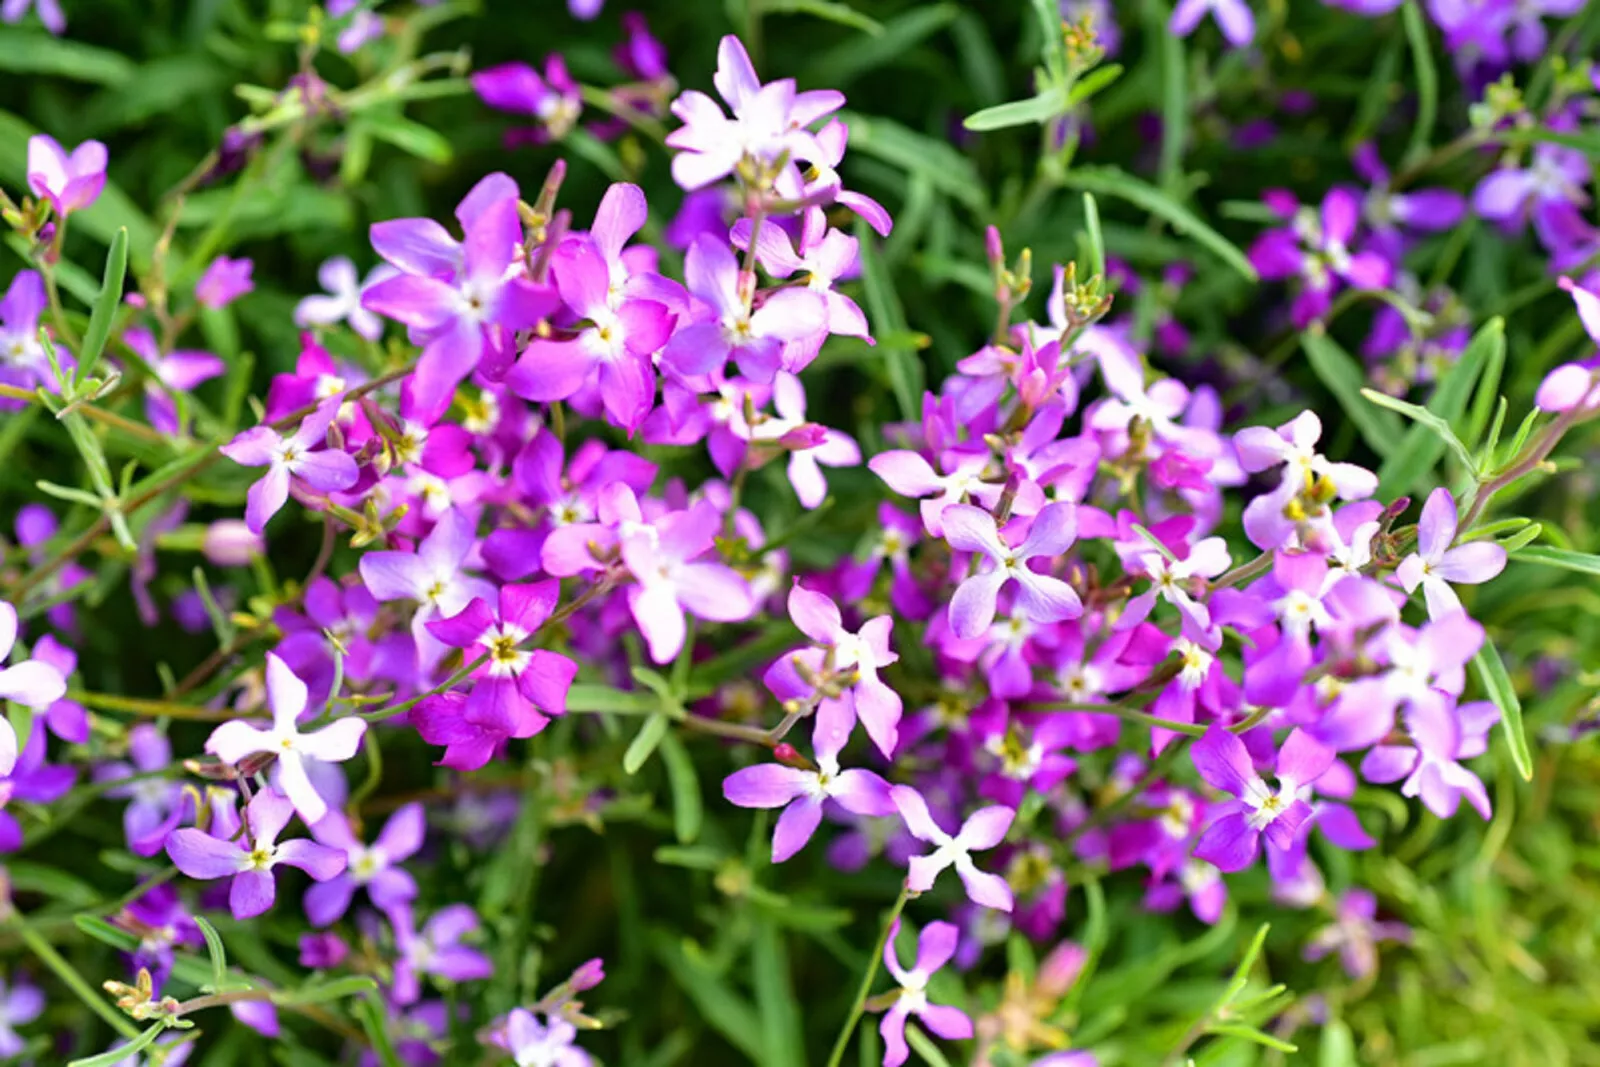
1232,838
342,300
1233,17
801,793
224,281
810,446
50,14
1040,597
174,373
155,805
983,830
1436,565
371,867
864,652
669,578
433,576
68,182
1294,445
23,361
1355,934
549,1044
286,696
325,470
20,1004
436,950
250,860
1442,735
935,945
32,683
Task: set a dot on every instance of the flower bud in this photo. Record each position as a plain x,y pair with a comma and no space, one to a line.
230,543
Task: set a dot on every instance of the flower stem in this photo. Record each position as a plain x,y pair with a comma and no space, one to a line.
73,980
866,980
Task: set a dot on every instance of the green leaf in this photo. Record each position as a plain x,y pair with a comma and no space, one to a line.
644,742
884,312
945,168
1405,466
1174,94
377,1028
924,1047
1241,973
1097,241
1338,1045
688,810
1582,562
843,63
594,698
1523,538
1092,82
775,999
410,137
1114,182
322,992
105,305
1036,109
828,10
1422,416
1250,1033
214,949
121,1052
24,52
103,931
724,1010
1497,684
1339,371
1427,80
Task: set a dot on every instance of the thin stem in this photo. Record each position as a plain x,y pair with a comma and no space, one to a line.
72,979
153,709
866,980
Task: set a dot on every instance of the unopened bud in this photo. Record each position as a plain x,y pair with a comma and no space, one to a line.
231,543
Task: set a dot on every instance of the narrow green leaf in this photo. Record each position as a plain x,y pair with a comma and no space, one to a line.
122,1052
25,52
1114,182
644,742
902,364
688,810
105,305
1339,371
730,1014
1092,82
377,1028
1497,684
1053,50
946,169
775,999
1174,94
1251,1034
1427,80
1097,241
410,137
593,698
1338,1045
1582,562
1034,110
1523,538
1421,415
214,949
1405,466
924,1047
845,62
828,10
100,930
1241,973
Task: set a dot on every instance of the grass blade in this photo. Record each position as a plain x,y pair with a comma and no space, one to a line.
1497,684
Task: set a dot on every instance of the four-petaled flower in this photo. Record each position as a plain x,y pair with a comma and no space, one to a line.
250,859
1040,597
984,829
1435,565
327,470
1233,836
69,182
935,945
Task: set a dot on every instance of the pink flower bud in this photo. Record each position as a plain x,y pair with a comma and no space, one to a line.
230,543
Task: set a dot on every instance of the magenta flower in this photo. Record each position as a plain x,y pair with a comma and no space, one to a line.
224,281
935,945
1436,566
373,867
68,182
1233,17
802,793
514,694
554,98
863,652
753,335
326,470
1232,838
286,697
1040,598
669,578
50,14
250,860
1316,248
984,829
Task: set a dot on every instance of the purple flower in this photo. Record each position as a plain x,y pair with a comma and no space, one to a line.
175,373
155,804
23,361
1566,387
801,792
328,470
669,579
21,1003
730,325
810,446
250,860
224,281
49,12
1316,248
984,829
286,696
1233,17
1442,736
514,694
863,652
554,99
1355,934
432,576
1436,566
935,945
1174,580
342,302
548,1044
68,182
32,683
436,950
1294,445
1233,836
372,867
1040,597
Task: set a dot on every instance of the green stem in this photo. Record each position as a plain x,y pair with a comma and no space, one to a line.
866,980
73,980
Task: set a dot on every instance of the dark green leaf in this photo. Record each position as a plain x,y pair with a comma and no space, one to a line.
1339,371
1113,182
1582,562
105,305
25,52
829,10
688,811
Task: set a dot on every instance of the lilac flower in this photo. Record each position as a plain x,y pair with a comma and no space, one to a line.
984,829
1436,566
68,182
436,950
1233,836
1233,17
1173,581
325,471
863,652
224,281
1316,249
824,257
1568,386
342,302
769,122
1355,934
753,336
517,690
432,576
935,945
250,860
155,805
1442,736
49,12
801,793
541,1044
21,1003
23,361
373,867
32,683
174,373
1294,445
664,561
1040,597
286,696
810,446
1550,186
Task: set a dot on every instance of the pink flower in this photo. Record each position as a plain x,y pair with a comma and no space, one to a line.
1436,566
286,696
669,578
865,652
69,182
1233,836
224,281
935,945
985,829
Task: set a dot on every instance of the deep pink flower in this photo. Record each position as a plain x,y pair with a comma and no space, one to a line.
68,182
1232,838
224,281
